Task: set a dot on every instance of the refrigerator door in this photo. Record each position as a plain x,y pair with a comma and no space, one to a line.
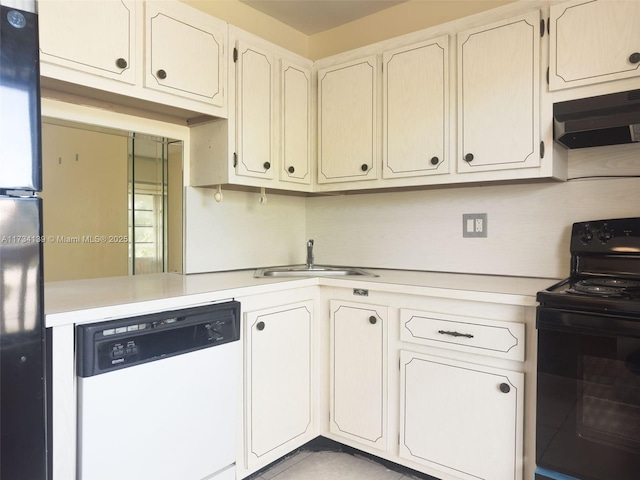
22,387
20,139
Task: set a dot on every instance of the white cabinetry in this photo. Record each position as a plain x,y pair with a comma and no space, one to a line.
185,53
278,387
255,91
593,41
498,95
267,140
466,334
358,396
497,131
462,418
471,424
416,110
98,38
161,56
295,126
347,121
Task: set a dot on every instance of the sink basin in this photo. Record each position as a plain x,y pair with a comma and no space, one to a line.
315,271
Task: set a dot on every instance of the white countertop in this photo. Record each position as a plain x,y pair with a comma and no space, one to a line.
84,301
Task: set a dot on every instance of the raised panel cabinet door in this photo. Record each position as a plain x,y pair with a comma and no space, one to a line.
296,123
254,111
461,418
416,110
278,380
498,95
92,37
358,373
593,41
347,138
185,53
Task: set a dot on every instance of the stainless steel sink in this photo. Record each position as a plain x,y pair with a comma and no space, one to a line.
313,271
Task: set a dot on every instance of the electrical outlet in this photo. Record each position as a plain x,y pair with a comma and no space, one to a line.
474,225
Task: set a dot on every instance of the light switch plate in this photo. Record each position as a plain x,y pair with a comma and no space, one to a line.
474,225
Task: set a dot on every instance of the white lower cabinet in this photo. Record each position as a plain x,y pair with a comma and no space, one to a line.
278,381
462,418
358,391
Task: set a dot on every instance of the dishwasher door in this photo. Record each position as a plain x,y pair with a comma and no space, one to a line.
172,419
160,400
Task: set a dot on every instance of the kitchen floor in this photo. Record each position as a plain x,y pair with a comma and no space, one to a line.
307,465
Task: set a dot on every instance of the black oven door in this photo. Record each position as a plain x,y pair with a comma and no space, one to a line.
588,397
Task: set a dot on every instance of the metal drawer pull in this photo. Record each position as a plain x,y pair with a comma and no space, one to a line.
455,334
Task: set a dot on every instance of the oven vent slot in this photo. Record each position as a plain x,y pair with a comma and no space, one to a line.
633,95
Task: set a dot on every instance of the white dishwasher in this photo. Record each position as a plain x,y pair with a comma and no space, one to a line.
157,395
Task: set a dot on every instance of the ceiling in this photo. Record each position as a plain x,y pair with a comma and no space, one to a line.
314,16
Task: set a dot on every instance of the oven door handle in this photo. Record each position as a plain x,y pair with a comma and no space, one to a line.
590,323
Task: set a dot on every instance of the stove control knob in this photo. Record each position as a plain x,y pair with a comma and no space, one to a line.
605,234
587,235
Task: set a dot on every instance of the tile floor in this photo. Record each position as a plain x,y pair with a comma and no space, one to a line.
307,465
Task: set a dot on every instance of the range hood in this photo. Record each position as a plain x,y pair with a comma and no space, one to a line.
596,121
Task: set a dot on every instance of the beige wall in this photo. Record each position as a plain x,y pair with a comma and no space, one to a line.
240,232
253,21
528,224
403,18
83,197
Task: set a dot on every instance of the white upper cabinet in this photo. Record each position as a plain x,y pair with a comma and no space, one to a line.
498,95
416,109
593,41
185,52
347,105
165,56
295,126
254,111
98,38
266,141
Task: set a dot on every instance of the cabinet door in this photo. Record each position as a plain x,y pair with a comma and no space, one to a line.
295,85
254,111
416,110
498,102
278,380
358,373
347,149
92,37
185,52
593,41
461,418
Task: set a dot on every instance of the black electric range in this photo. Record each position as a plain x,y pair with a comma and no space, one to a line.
588,366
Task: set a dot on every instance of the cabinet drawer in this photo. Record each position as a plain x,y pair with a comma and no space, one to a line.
466,334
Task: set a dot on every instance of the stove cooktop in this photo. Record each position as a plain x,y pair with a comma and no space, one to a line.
606,287
609,294
605,269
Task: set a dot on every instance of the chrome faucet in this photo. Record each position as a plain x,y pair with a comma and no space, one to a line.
309,254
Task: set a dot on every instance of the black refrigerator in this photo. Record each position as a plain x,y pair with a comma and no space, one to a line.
23,425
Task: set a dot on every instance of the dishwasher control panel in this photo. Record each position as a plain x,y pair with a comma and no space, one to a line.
114,344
